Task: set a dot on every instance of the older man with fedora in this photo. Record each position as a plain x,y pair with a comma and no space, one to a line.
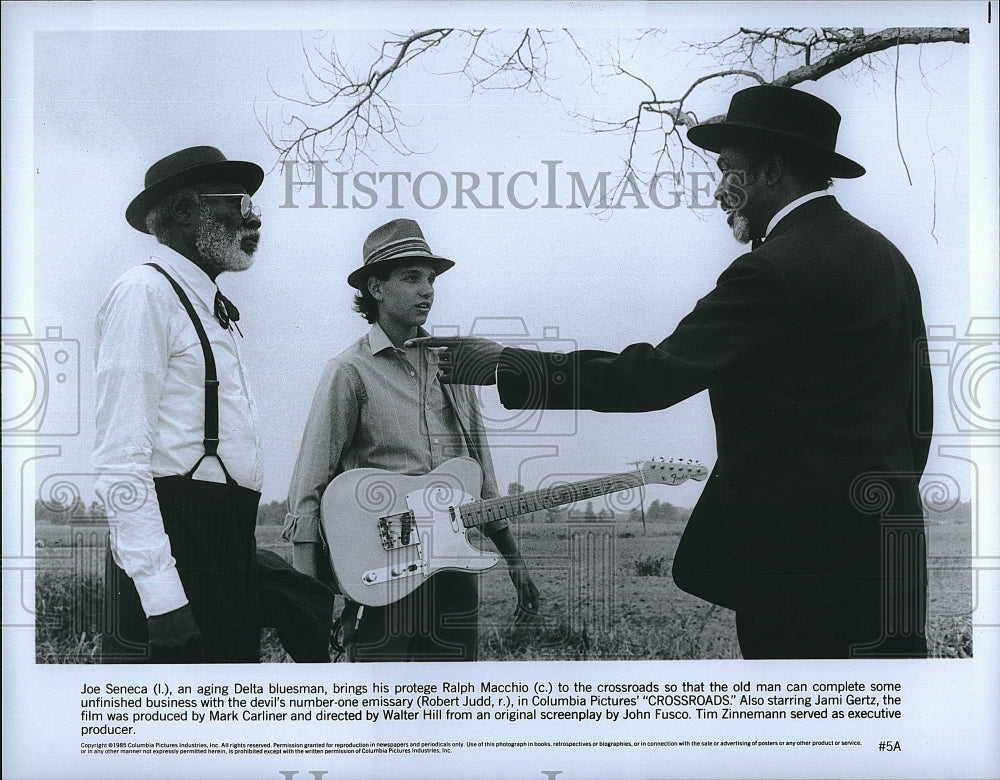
177,451
380,405
811,348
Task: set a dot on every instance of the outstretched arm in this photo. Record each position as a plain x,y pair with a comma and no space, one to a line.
743,320
463,360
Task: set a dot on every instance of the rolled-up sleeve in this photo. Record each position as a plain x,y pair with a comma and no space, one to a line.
330,427
133,352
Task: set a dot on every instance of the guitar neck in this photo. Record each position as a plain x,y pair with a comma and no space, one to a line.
506,507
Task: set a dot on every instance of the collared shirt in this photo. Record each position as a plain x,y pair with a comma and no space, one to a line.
381,407
151,413
789,208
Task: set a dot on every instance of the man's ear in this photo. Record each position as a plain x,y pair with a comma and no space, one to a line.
374,287
184,209
773,169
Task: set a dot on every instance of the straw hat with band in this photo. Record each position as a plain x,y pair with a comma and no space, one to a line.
396,240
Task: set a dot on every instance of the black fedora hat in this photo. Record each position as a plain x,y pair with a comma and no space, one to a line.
791,118
181,169
396,240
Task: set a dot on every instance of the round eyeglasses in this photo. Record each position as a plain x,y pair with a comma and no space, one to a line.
246,205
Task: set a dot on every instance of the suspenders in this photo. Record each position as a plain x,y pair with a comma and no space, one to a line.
211,441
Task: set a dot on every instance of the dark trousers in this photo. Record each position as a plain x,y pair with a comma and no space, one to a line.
439,621
858,630
211,529
298,606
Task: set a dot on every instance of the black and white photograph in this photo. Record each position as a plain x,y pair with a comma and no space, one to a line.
498,390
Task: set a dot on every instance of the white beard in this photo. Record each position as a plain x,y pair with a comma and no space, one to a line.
219,245
741,228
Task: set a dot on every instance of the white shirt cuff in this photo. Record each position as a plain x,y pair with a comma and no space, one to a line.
162,593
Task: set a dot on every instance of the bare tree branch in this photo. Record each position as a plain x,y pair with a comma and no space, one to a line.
895,104
360,107
367,109
864,45
858,46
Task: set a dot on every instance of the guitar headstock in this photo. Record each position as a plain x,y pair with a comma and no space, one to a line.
673,471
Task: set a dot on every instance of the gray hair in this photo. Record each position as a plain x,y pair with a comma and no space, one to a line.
158,220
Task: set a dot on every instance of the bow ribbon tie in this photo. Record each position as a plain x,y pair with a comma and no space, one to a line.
226,312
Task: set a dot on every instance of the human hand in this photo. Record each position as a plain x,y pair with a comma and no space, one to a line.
527,594
463,360
174,636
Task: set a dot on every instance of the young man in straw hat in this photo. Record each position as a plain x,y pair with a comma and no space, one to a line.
380,405
812,349
178,446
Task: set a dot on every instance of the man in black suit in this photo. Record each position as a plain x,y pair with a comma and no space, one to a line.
812,349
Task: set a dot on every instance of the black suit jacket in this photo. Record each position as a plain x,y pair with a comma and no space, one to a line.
812,350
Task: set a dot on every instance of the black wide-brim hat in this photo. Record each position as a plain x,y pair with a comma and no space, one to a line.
784,117
181,169
397,240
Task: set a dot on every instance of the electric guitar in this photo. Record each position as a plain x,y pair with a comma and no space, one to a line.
387,533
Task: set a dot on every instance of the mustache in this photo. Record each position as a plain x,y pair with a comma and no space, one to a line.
733,201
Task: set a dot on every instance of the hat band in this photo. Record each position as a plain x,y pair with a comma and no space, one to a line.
816,137
402,248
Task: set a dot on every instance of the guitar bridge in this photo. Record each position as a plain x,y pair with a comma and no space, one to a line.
397,531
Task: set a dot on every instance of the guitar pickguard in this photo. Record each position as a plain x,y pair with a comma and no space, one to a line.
387,533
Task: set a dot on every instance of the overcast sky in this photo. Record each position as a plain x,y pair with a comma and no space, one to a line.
108,104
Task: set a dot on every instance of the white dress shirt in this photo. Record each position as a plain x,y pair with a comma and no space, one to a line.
151,413
790,207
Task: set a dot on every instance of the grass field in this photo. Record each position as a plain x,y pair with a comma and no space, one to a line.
606,594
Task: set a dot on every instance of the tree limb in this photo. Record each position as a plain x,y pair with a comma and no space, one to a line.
862,46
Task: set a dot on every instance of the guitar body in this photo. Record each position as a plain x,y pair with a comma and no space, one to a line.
388,533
